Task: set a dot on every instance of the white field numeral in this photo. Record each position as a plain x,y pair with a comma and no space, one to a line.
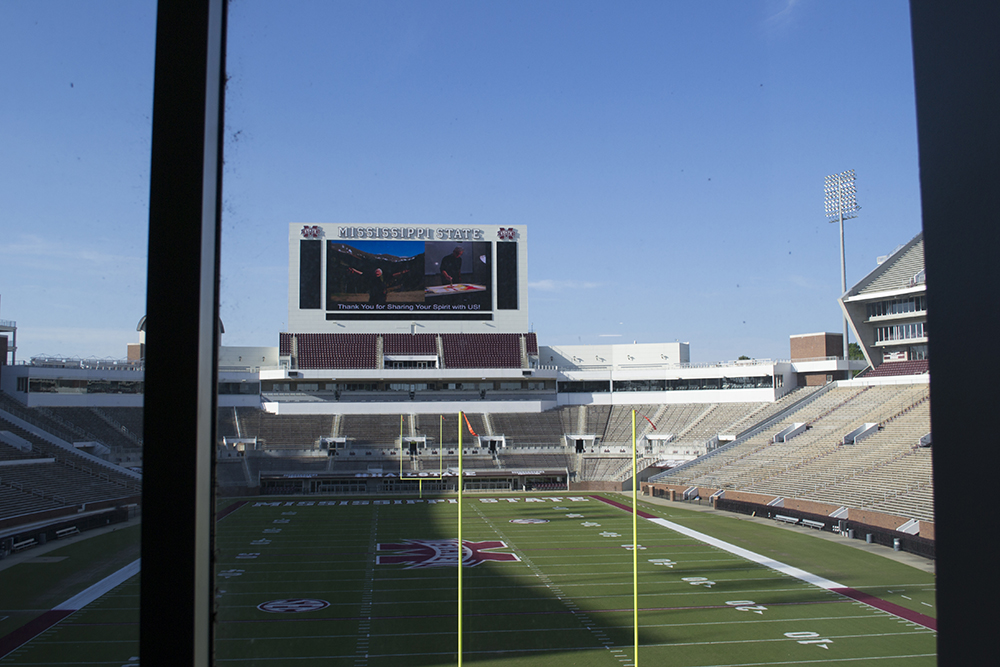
809,638
699,581
747,605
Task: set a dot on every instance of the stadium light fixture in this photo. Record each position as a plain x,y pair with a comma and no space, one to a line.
841,203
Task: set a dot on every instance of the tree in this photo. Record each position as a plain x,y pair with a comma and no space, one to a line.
854,352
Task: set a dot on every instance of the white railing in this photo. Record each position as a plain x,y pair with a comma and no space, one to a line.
87,364
713,364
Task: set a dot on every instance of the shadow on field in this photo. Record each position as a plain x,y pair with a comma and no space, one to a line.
376,581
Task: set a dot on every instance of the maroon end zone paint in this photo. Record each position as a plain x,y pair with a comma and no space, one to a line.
644,515
31,629
226,511
894,609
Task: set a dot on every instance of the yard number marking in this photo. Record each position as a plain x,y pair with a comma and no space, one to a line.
808,638
699,581
747,605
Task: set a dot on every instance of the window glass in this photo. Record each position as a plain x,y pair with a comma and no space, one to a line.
664,157
75,107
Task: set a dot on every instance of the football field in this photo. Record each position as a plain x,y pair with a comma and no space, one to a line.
548,580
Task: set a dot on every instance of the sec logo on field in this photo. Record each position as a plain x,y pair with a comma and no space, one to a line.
529,521
293,605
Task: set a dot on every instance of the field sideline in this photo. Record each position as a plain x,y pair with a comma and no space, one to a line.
548,581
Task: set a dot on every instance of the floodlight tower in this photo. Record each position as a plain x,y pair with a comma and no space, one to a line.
841,204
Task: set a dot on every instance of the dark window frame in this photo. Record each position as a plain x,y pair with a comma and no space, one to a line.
182,304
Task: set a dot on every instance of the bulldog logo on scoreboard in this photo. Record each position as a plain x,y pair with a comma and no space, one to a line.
506,234
312,232
442,553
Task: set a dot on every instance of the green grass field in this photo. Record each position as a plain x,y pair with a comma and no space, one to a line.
374,583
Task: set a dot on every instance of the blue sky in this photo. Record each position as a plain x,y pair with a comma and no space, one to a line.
667,157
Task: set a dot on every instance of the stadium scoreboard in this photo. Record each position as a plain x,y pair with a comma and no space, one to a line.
353,278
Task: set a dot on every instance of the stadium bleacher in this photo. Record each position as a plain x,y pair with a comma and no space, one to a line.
816,465
532,429
482,350
895,368
422,344
320,350
99,426
367,351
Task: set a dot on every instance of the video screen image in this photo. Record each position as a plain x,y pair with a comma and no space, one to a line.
437,276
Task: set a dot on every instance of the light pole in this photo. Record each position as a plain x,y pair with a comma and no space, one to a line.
840,197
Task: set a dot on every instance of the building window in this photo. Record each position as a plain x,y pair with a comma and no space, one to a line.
912,304
896,332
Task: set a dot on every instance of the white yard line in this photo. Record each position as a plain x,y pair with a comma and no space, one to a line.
85,597
790,570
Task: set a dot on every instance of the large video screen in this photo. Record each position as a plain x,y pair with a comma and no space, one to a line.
347,278
419,277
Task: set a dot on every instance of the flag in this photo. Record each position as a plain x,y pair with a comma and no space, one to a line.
469,425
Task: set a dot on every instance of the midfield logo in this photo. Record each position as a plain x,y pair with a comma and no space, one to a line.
442,553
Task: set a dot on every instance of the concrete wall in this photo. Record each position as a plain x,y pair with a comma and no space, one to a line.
595,486
926,530
811,506
745,497
617,356
877,519
247,357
